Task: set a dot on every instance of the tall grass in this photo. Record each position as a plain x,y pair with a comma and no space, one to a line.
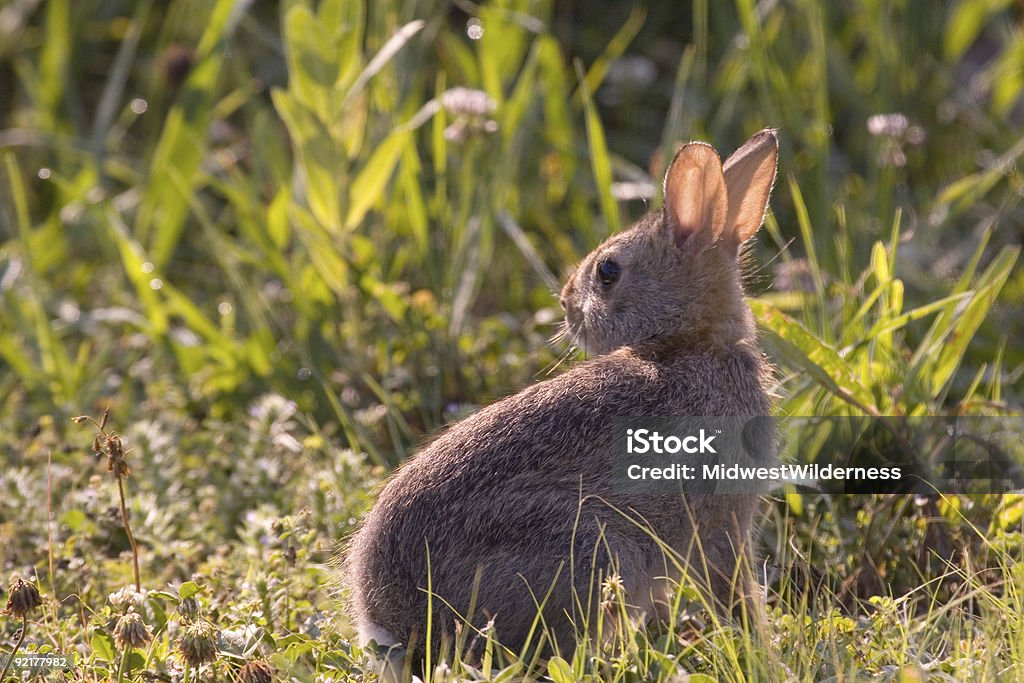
360,207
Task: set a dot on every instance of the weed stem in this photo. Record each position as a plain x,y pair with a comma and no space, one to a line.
14,652
131,537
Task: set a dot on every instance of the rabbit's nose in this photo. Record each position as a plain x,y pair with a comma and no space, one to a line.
563,296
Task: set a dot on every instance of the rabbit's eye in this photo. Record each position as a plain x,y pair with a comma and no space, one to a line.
608,272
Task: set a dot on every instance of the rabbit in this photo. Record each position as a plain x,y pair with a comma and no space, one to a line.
511,511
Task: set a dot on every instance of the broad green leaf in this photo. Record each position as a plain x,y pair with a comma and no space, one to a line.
700,678
393,303
134,662
103,646
259,350
349,16
75,519
351,28
311,61
139,271
802,350
188,589
318,159
559,671
323,252
368,186
196,320
278,227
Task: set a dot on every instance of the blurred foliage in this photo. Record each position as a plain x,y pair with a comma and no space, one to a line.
284,242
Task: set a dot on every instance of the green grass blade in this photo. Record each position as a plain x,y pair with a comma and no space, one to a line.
381,59
616,47
599,159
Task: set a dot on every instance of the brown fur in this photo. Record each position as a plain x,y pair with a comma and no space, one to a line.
516,502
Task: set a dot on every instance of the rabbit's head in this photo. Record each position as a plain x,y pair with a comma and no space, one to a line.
675,273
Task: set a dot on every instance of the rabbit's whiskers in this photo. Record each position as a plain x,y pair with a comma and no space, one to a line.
563,333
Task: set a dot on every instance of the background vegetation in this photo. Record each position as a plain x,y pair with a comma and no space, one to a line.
281,246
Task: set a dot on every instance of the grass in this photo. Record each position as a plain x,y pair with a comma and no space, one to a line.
280,248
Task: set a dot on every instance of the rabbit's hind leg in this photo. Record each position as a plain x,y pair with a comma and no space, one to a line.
619,582
728,576
389,654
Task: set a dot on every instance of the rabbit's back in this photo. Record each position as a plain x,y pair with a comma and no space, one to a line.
503,491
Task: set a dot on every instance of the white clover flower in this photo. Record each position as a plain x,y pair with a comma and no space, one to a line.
127,597
469,109
467,102
888,125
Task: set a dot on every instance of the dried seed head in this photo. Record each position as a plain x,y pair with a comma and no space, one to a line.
131,631
198,644
189,608
613,585
23,597
256,671
115,457
612,589
177,62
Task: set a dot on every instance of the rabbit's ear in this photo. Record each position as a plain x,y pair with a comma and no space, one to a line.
749,175
695,194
